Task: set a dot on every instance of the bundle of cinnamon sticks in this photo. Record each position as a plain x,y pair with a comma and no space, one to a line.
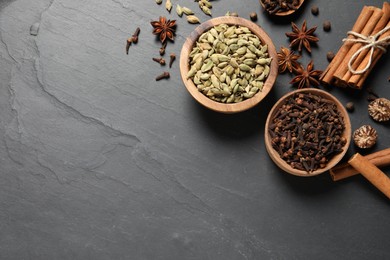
371,21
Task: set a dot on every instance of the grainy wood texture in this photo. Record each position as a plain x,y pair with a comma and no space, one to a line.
221,107
274,154
286,12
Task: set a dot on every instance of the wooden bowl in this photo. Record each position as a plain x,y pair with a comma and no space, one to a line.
223,107
333,161
286,12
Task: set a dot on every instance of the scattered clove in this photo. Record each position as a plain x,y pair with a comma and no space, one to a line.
132,39
165,75
128,44
162,49
135,35
172,59
159,60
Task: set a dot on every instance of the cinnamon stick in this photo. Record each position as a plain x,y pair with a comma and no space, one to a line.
372,173
342,171
367,30
365,75
355,79
364,16
363,58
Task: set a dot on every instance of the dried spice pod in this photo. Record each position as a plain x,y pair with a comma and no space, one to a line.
179,10
192,19
305,78
164,28
302,37
164,75
379,109
287,60
365,136
168,5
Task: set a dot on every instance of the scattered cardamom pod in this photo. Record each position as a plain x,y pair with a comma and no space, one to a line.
206,10
168,5
158,2
179,10
187,11
193,19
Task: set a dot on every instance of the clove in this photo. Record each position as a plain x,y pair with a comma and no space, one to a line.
172,59
165,75
162,49
159,60
128,44
135,35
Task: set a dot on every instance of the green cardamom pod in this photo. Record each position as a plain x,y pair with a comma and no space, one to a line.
244,67
179,10
250,62
192,19
241,51
217,71
191,72
206,10
207,66
187,11
168,5
233,62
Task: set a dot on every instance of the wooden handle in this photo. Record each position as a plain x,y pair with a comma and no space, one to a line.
372,173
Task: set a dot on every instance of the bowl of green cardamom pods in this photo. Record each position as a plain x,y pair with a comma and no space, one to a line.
228,64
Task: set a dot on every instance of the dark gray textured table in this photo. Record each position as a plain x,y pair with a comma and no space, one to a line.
99,161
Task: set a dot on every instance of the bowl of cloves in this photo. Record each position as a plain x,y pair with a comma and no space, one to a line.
228,64
281,7
307,132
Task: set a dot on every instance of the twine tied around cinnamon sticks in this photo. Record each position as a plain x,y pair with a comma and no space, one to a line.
371,42
364,46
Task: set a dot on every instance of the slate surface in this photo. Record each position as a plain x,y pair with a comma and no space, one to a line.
99,161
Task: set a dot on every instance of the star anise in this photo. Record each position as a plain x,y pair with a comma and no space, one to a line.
164,28
303,36
306,78
287,59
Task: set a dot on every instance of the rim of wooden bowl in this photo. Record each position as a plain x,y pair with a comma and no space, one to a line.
214,105
286,12
283,164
